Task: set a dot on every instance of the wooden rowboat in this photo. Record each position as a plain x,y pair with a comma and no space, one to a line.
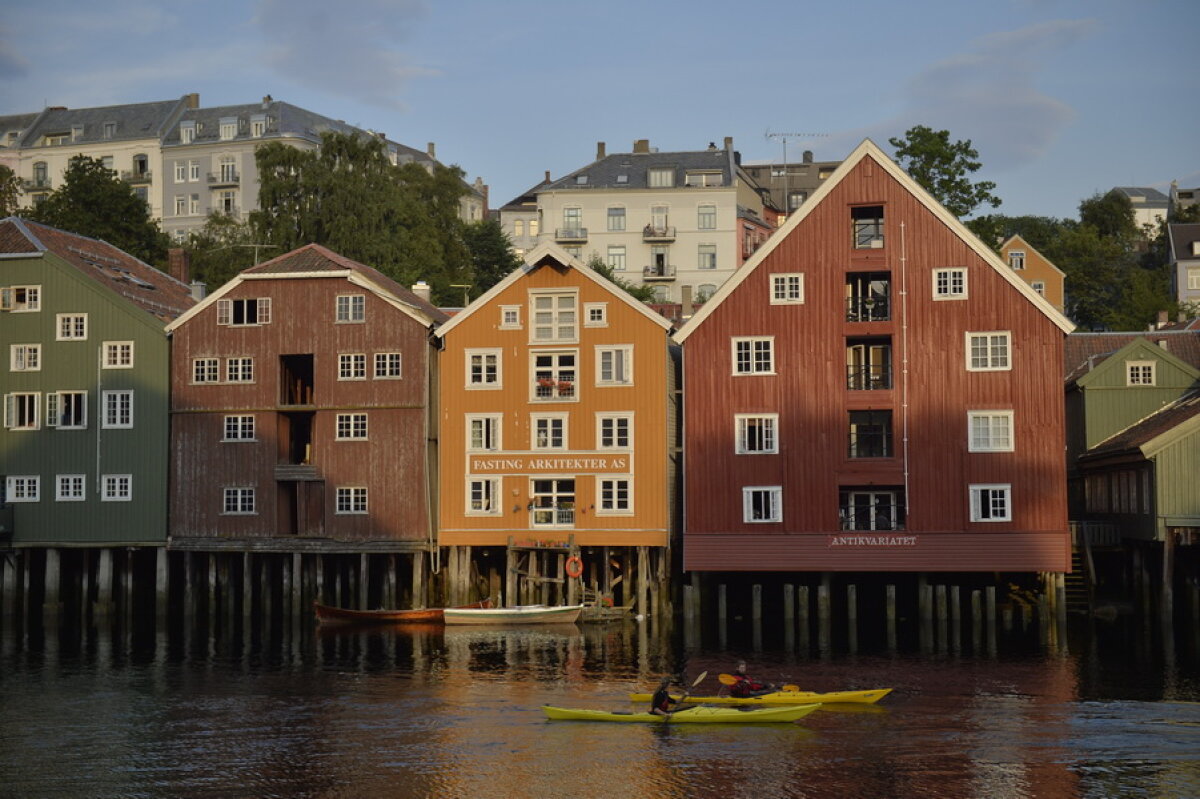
328,614
786,698
691,715
521,614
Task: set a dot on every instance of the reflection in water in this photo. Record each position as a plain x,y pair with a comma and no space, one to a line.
425,710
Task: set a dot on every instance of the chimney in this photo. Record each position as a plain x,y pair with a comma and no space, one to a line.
267,99
728,142
808,156
422,290
712,147
547,180
199,290
192,100
600,150
1163,318
1182,317
685,300
430,150
179,264
641,146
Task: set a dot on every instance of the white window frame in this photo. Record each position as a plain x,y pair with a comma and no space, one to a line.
25,358
1141,373
32,402
612,370
986,428
595,314
187,132
181,201
118,354
484,354
23,488
55,402
117,409
352,366
555,325
1193,279
206,368
350,501
993,364
193,171
1016,259
660,177
944,281
262,311
21,299
71,327
239,370
240,428
483,496
350,309
621,424
244,501
608,487
488,426
351,427
180,172
617,257
769,426
555,426
70,488
751,341
776,497
510,317
389,366
709,216
611,225
706,256
116,488
787,288
977,495
561,369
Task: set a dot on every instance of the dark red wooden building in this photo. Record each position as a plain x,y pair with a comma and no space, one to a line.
874,391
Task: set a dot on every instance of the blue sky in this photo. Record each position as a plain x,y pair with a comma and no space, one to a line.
1061,98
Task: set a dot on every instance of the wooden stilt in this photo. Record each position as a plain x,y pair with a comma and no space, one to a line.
890,613
756,603
789,607
52,596
510,576
802,618
976,621
162,583
823,613
364,580
418,580
247,589
852,617
990,610
643,580
211,597
1168,579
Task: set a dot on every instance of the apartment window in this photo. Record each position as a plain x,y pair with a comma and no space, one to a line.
615,495
25,358
180,173
116,488
553,503
870,434
21,299
387,366
194,205
991,503
595,314
193,171
519,228
867,225
227,202
660,177
950,284
239,428
244,312
988,352
762,504
118,355
1193,279
1016,259
66,410
181,201
351,500
483,369
990,431
118,409
351,308
706,256
21,411
534,225
71,327
352,366
616,219
871,508
187,132
787,289
206,370
572,221
239,502
754,355
614,365
71,488
483,496
706,217
868,364
549,432
704,179
554,375
616,258
228,128
239,370
614,431
756,434
554,317
1139,373
227,169
483,432
258,126
23,488
1039,286
510,317
351,426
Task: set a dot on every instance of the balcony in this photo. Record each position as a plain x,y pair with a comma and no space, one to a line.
216,181
565,235
658,273
296,473
871,511
560,516
549,389
868,378
658,233
135,177
37,184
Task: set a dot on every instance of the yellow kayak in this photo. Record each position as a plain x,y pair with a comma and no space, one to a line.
691,715
786,698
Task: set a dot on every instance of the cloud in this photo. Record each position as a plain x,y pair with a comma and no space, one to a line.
350,48
12,63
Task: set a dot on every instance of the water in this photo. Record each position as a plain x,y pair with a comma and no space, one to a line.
455,713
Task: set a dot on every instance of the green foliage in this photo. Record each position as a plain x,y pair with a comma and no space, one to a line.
994,229
1112,216
640,293
1185,213
223,248
492,258
943,169
10,191
93,202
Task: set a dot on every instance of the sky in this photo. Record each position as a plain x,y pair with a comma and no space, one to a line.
1061,98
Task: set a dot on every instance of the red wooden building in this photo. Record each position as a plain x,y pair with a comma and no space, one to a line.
874,391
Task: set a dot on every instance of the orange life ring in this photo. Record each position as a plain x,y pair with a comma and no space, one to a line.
574,566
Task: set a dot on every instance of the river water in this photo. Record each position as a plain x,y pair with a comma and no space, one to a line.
455,712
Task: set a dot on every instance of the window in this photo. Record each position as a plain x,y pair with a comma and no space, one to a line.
988,352
1139,373
613,431
244,312
787,288
554,317
118,355
227,169
615,495
554,375
1039,286
180,172
870,508
187,132
950,284
510,317
868,364
483,369
352,366
71,488
704,179
71,327
193,171
616,257
351,426
206,370
706,217
109,130
990,431
351,500
21,299
1193,279
757,434
762,504
614,366
387,366
194,205
595,314
991,503
227,202
483,496
239,502
66,410
706,256
351,308
118,409
549,432
25,358
116,488
228,127
870,434
258,125
572,222
181,205
519,228
239,370
1016,259
483,432
616,219
553,503
534,225
23,488
21,411
660,177
239,428
753,356
867,224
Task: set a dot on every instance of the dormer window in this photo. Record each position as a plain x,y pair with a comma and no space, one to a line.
660,177
110,130
187,132
229,128
76,132
258,127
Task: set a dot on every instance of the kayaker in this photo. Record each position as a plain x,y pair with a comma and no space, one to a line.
662,701
746,685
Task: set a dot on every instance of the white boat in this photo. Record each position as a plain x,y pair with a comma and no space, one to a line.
520,614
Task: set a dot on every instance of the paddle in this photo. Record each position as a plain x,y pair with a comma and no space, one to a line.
688,690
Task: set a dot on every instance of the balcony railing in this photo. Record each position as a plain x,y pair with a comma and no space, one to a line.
870,444
296,472
564,234
550,388
664,272
133,176
37,184
223,179
868,378
557,517
868,309
658,233
877,517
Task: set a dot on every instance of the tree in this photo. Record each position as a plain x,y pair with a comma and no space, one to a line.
943,168
10,191
94,202
1112,216
1039,231
641,293
222,249
492,257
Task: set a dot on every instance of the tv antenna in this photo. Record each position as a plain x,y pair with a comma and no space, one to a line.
787,210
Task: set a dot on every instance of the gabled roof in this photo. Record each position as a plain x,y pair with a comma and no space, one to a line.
151,290
868,149
551,254
313,260
629,170
1152,434
1016,240
1182,234
1083,352
1144,196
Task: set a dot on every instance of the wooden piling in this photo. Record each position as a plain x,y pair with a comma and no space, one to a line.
890,615
8,578
852,616
418,580
823,613
976,621
789,606
942,616
722,605
802,614
756,603
643,577
52,596
211,597
162,582
990,605
689,608
510,576
247,589
1168,579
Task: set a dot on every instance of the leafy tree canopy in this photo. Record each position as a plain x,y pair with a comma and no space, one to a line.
944,168
492,258
1112,216
10,191
640,293
224,247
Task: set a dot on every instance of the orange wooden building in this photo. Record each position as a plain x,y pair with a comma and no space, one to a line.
557,427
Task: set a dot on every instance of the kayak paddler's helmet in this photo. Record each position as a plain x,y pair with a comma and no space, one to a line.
741,667
664,682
